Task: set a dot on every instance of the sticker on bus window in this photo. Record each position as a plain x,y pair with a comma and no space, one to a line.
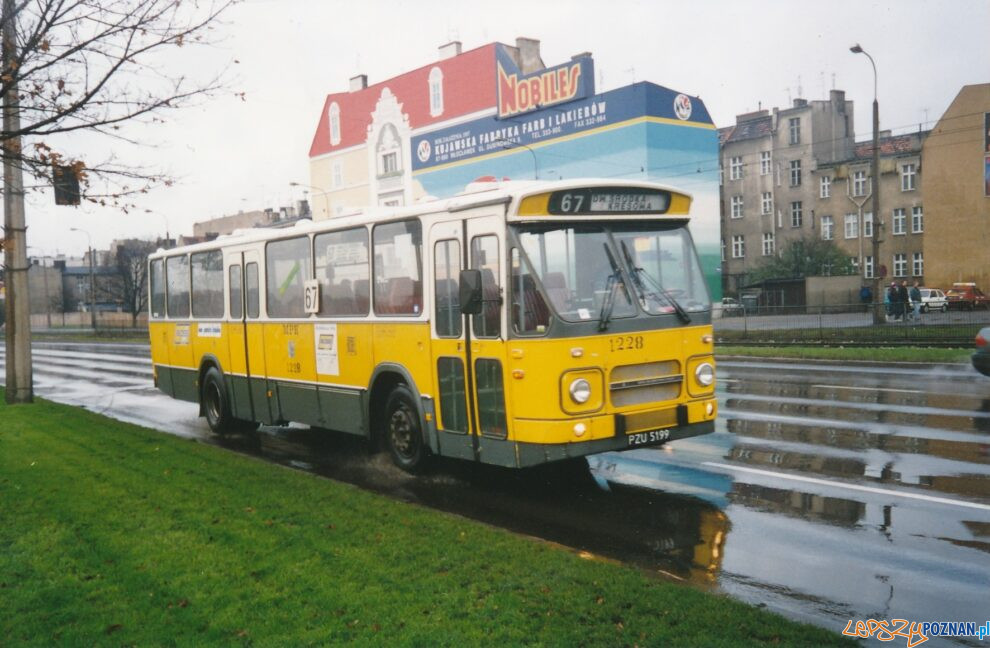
325,343
584,313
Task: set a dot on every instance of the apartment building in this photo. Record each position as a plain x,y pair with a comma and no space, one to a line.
799,173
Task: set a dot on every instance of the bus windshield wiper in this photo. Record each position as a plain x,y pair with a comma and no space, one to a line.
610,286
637,276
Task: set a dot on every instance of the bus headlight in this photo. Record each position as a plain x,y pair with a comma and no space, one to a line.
704,374
580,390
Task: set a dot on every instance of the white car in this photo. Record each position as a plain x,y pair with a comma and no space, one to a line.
933,299
731,307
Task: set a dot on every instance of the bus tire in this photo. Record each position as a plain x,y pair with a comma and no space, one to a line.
216,406
403,432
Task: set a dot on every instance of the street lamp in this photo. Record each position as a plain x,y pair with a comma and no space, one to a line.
875,172
326,194
92,279
509,144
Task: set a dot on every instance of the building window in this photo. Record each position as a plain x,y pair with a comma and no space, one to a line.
824,186
768,243
868,224
338,175
738,247
854,262
334,124
721,172
766,203
735,168
390,163
909,175
900,265
917,264
737,207
436,92
859,183
828,228
794,127
388,150
900,221
868,262
917,220
852,226
795,173
796,214
764,162
723,249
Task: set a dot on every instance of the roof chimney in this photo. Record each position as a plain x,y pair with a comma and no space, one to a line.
529,55
450,50
359,82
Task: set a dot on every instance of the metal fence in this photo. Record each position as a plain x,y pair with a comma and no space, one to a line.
849,324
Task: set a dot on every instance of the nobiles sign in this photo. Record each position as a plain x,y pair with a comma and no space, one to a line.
517,93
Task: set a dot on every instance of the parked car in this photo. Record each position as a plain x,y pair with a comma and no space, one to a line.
933,299
981,359
966,296
731,307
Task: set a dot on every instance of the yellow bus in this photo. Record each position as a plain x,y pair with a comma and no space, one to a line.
513,324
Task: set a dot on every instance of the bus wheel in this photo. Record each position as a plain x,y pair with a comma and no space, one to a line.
213,396
403,432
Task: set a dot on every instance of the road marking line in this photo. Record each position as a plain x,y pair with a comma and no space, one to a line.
856,487
875,389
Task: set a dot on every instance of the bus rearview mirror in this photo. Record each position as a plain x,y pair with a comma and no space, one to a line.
470,294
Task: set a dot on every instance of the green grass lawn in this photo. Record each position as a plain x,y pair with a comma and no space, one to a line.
874,354
113,534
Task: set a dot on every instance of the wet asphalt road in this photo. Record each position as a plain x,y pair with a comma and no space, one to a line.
827,492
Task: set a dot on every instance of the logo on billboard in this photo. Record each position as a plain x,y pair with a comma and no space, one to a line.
423,151
518,93
682,106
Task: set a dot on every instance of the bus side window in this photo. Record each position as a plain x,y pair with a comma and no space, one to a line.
287,267
236,302
207,284
342,270
253,296
398,286
177,286
157,289
447,264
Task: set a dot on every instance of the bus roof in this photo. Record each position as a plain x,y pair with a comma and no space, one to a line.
476,194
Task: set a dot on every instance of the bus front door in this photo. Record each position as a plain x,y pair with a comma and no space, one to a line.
468,350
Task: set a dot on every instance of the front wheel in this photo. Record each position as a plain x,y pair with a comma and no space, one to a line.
403,433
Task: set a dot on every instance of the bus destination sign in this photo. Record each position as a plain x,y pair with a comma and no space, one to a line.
608,200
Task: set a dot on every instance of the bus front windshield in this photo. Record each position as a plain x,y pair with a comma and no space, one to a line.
604,271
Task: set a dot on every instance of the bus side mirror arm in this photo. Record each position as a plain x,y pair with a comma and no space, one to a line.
469,293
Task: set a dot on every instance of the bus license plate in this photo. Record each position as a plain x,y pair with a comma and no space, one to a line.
646,438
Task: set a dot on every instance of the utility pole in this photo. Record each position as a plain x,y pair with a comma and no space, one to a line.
19,385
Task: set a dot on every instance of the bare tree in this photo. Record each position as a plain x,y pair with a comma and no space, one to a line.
94,66
73,67
131,262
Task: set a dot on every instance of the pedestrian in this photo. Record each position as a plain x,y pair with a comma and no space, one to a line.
903,300
915,295
865,297
892,298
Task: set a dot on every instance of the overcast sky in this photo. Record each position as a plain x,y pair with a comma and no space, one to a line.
231,155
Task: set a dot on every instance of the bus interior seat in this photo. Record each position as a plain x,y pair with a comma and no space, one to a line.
556,286
361,295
